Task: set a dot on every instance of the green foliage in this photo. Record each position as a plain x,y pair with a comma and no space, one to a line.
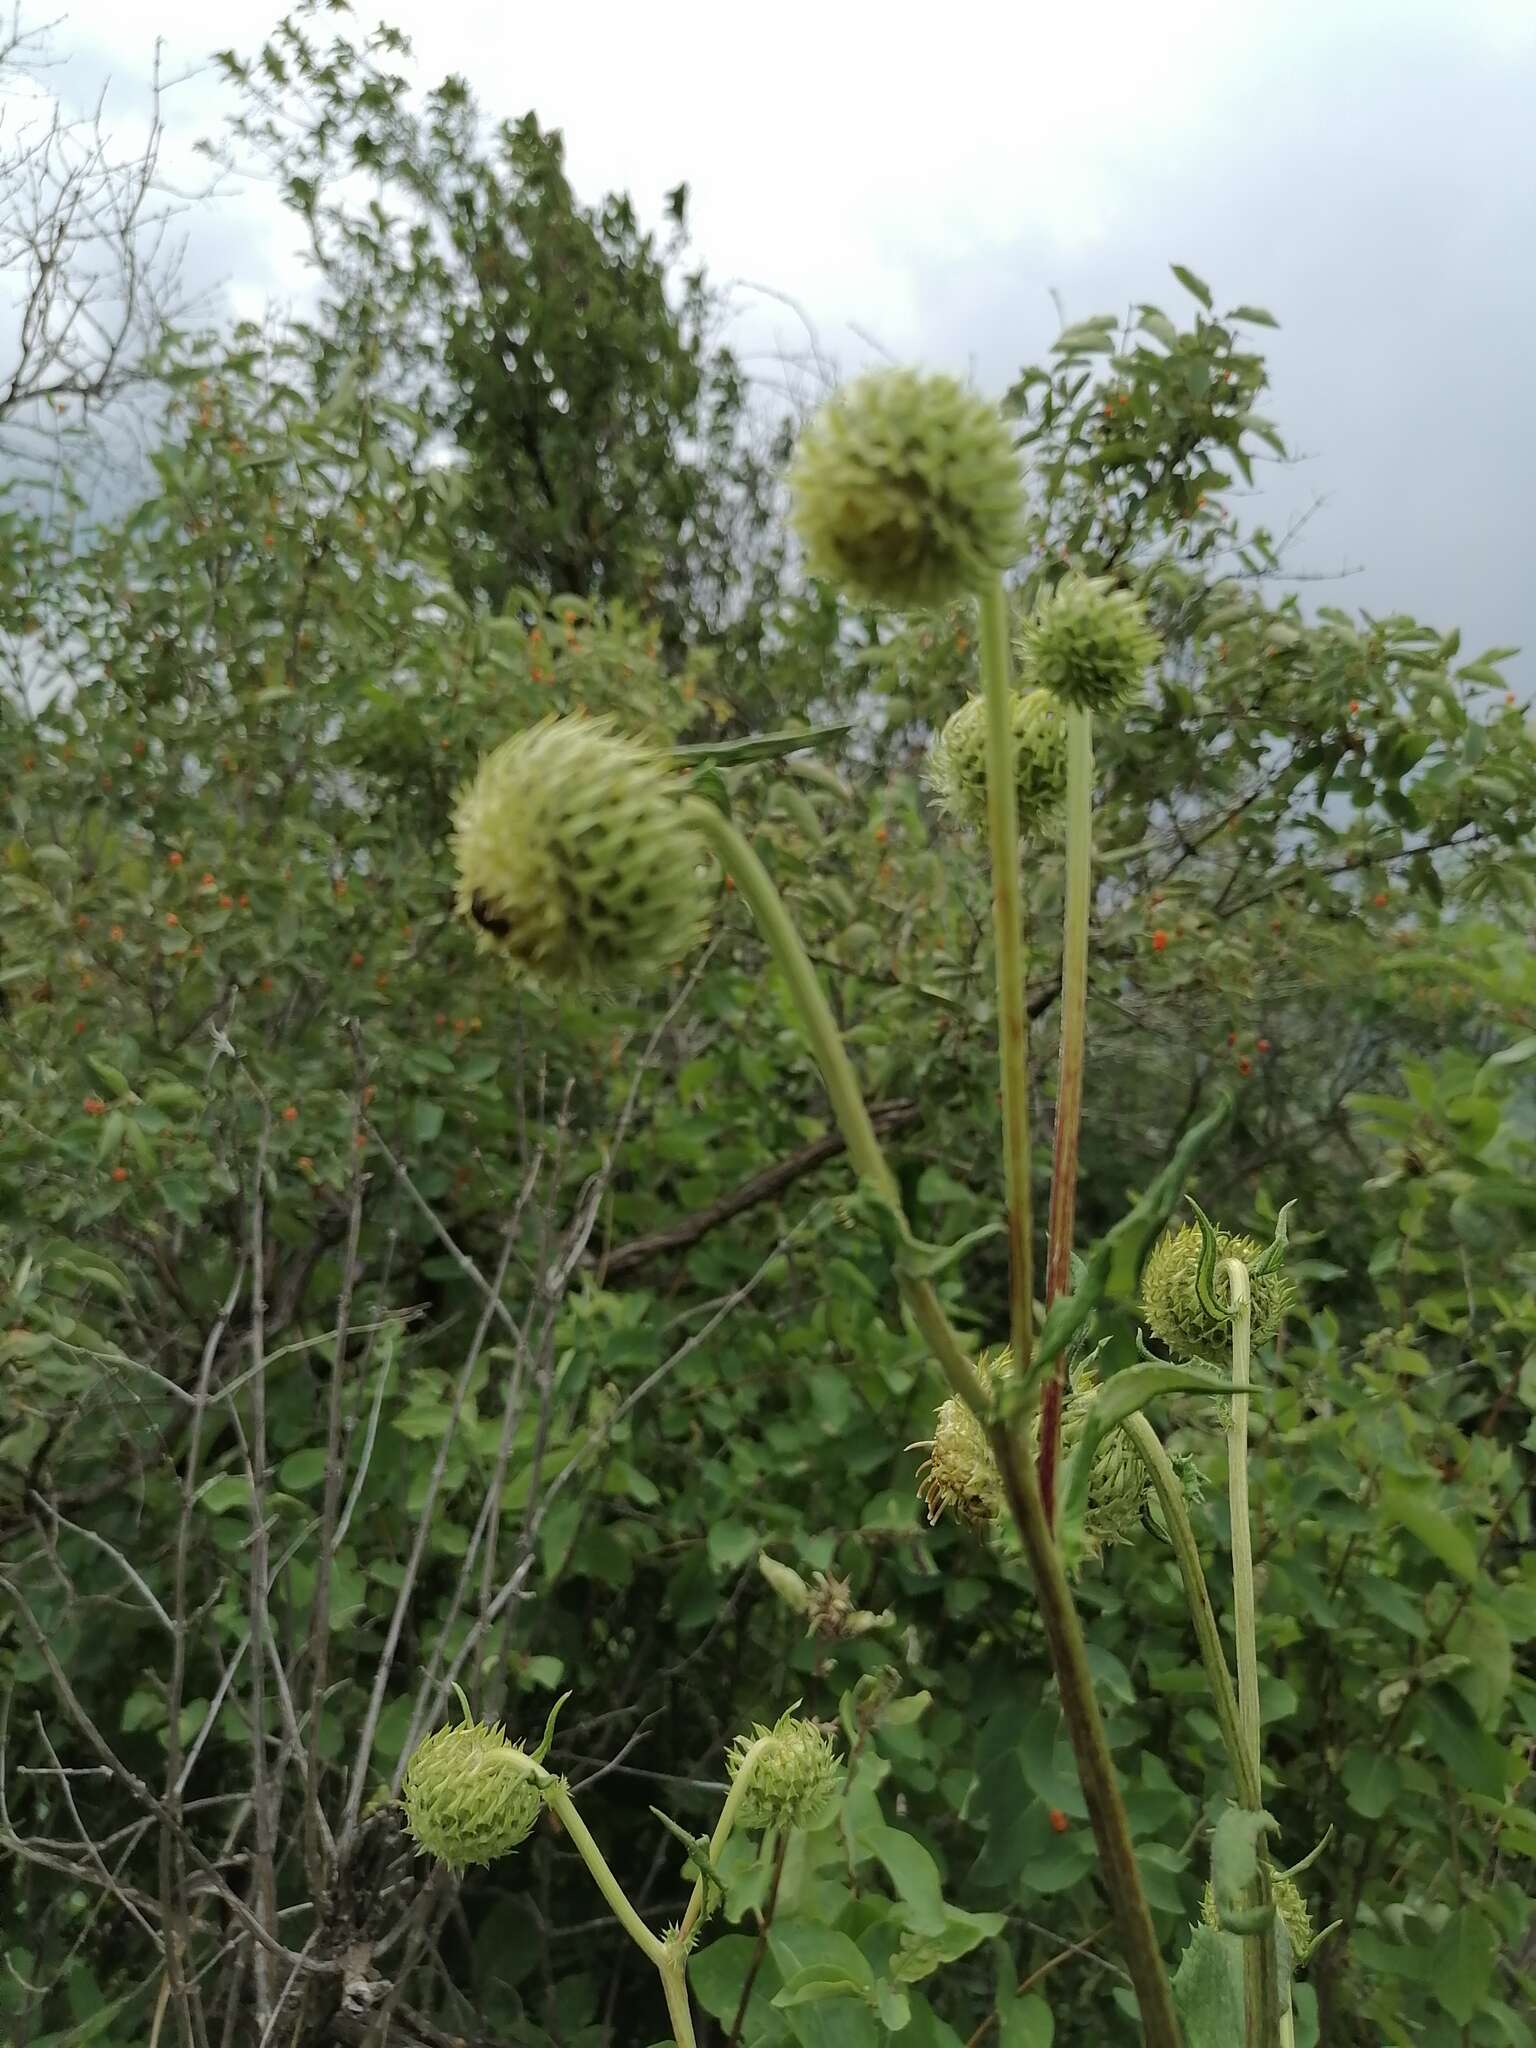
568,1301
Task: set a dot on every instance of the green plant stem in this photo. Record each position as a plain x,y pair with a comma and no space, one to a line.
778,929
1090,1744
1062,1214
1181,1534
675,1988
1008,930
741,1784
1261,1973
561,1805
1085,1726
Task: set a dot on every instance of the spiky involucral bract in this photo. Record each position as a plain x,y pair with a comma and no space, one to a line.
907,491
957,762
576,859
1171,1304
1088,644
961,1474
469,1794
1289,1904
794,1784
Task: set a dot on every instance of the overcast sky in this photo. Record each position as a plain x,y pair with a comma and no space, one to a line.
925,176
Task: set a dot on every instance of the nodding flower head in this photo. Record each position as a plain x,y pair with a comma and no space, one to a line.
797,1780
1088,644
1289,1904
469,1794
1170,1299
907,491
577,862
957,762
961,1474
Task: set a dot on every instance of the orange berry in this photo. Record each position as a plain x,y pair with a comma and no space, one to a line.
1059,1821
1245,1065
381,981
171,918
79,1026
245,902
207,881
1354,706
1510,697
881,835
1264,1045
304,1163
1159,940
369,1093
82,922
94,1106
226,903
266,984
1380,899
85,981
174,860
362,1139
460,1023
28,762
1231,1038
119,1173
441,1020
357,959
290,1115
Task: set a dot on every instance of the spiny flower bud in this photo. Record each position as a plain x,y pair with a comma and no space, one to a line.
960,1476
469,1794
832,1615
1088,643
1119,1485
907,491
795,1783
957,762
1170,1301
1289,1904
961,1473
576,859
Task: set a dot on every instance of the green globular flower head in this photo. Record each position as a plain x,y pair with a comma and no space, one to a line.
795,1783
577,862
961,1477
907,491
469,1794
1171,1305
1289,1904
1119,1484
957,762
1088,644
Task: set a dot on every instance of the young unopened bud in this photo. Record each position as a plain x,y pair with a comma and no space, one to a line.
469,1794
957,762
576,859
1289,1904
795,1783
907,491
1088,644
1170,1299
